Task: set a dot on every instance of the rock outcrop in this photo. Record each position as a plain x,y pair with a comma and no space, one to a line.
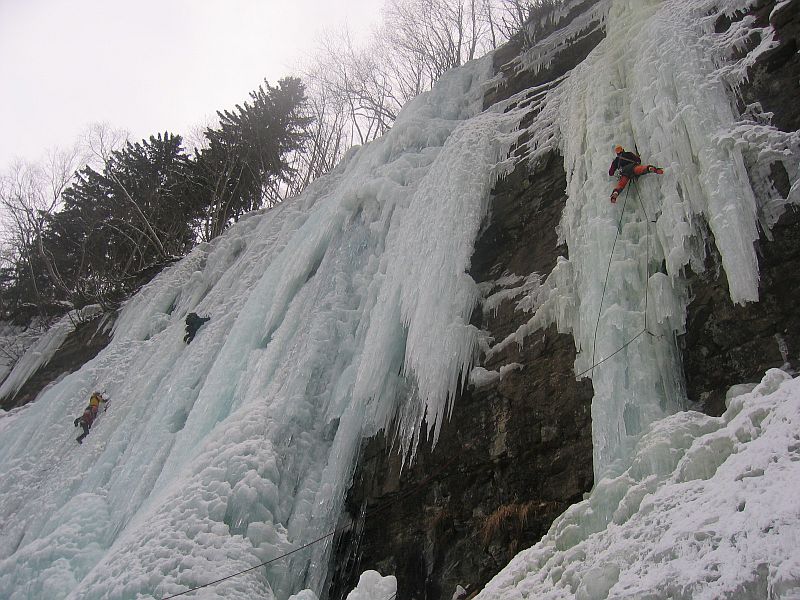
80,346
727,344
518,450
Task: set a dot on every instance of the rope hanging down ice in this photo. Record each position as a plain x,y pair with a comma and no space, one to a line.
605,283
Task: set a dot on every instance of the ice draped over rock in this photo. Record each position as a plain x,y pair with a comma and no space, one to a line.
332,315
660,83
704,511
347,309
685,505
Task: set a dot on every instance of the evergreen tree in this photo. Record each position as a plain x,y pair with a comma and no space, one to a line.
138,213
151,202
246,161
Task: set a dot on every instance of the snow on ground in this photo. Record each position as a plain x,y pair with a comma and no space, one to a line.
371,586
708,509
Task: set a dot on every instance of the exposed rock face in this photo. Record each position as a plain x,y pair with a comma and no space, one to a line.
516,79
518,451
81,346
726,344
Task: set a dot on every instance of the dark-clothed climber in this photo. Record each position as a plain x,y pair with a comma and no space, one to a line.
193,323
85,421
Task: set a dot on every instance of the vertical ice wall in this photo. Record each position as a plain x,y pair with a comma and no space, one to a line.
660,84
235,449
616,255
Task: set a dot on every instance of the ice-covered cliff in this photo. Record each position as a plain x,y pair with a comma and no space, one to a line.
347,310
331,316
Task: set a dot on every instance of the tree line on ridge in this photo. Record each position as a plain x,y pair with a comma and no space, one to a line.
93,224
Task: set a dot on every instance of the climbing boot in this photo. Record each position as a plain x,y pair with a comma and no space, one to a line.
614,195
656,170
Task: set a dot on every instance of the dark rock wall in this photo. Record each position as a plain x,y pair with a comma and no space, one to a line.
726,344
81,346
517,452
516,79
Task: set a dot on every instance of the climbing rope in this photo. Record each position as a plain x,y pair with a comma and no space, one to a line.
605,283
647,251
342,529
210,583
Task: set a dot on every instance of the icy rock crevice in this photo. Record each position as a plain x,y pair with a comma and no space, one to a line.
41,351
587,15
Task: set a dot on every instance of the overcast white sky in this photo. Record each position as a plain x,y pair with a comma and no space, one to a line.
147,65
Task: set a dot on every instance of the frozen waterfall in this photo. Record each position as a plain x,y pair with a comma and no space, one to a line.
346,310
660,83
223,454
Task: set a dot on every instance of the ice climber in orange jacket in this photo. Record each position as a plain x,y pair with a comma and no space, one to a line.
630,166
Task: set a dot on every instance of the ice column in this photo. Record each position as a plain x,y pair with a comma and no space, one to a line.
648,86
